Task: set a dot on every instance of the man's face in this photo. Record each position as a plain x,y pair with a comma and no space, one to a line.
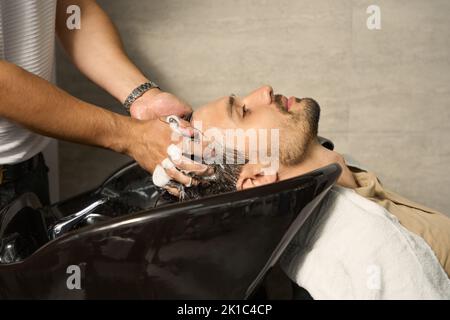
296,119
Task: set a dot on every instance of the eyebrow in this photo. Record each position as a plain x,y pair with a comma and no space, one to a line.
230,105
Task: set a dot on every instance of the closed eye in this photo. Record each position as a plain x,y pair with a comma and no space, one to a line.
187,117
232,105
245,111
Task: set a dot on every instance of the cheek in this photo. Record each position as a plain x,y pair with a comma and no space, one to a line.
266,120
202,119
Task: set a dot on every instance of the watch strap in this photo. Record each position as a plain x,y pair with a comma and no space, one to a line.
137,92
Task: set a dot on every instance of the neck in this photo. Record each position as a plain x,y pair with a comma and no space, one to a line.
318,157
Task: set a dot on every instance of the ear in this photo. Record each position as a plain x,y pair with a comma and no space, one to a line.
254,175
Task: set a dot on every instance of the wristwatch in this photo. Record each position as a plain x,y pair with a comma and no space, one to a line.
137,92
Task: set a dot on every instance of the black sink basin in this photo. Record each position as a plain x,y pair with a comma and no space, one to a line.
131,243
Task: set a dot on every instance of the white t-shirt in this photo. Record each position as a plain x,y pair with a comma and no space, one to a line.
27,39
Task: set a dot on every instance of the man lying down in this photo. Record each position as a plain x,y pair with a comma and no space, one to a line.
368,242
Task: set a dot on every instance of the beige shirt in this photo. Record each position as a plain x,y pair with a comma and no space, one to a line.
431,225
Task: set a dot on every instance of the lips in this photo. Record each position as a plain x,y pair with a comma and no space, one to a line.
290,102
285,102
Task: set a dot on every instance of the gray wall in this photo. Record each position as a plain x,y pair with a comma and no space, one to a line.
385,94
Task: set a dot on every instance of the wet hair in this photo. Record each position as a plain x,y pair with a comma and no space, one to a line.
223,180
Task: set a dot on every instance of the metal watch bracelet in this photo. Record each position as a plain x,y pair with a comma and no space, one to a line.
137,92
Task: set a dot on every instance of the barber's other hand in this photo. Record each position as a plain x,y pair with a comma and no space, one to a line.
156,103
147,143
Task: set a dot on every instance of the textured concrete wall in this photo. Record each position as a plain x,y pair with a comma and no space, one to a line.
385,94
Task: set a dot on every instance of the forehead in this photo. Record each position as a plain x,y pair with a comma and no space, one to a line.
215,105
215,114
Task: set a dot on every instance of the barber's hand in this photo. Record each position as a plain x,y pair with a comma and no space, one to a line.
148,144
156,103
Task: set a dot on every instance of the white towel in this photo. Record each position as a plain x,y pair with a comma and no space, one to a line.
355,249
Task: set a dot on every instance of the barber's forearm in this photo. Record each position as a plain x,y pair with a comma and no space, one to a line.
41,107
96,49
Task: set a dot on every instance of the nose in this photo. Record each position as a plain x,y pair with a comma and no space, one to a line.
261,96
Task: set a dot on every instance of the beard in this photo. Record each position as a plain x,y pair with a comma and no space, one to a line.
298,131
